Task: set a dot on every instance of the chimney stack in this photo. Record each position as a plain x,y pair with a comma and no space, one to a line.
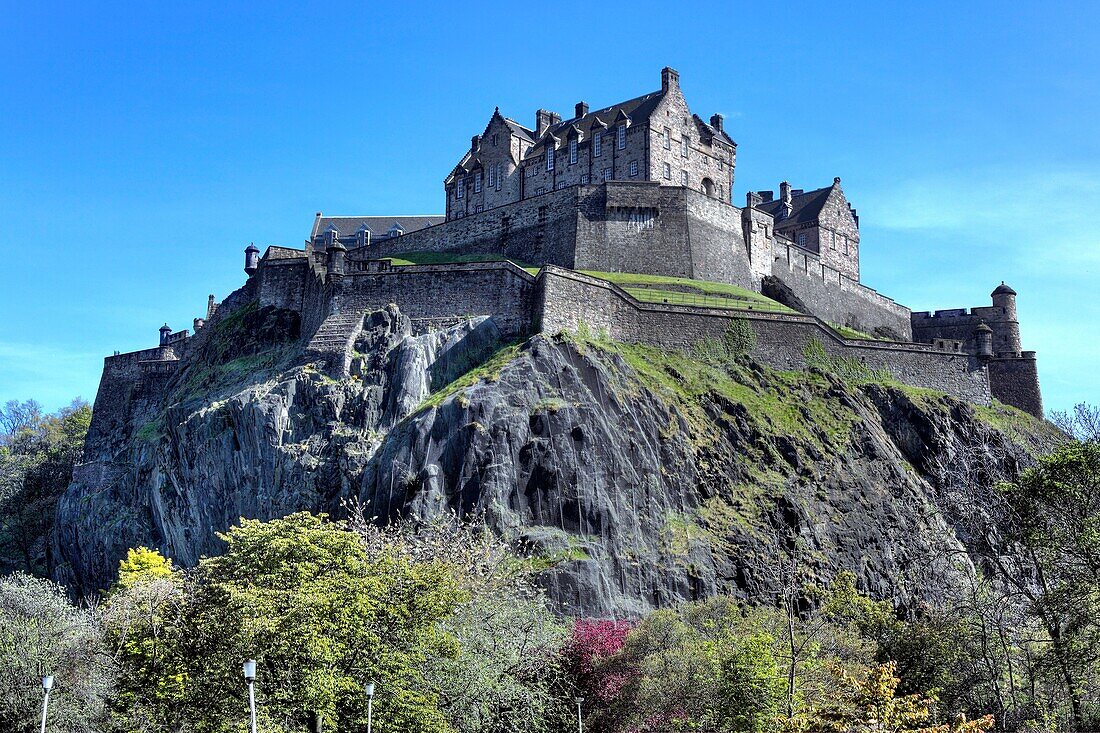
670,77
544,118
785,197
581,109
766,196
716,121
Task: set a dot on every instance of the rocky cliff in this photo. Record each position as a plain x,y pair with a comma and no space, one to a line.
634,477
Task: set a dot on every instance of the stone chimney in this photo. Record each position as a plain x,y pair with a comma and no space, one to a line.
766,196
785,197
581,110
716,121
754,199
544,118
475,143
670,77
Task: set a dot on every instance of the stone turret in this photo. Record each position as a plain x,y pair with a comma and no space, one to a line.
251,259
165,332
1008,332
983,337
336,253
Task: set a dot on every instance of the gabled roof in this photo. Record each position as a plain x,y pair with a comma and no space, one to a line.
805,208
637,110
710,130
379,226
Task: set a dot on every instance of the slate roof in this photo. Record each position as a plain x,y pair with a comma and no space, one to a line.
379,226
638,110
805,207
1003,289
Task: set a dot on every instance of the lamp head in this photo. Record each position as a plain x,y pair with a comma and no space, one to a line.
250,670
579,699
369,688
47,683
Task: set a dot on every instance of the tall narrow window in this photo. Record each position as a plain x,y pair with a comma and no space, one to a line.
607,174
597,138
668,172
492,176
683,178
460,188
801,239
573,151
584,179
550,156
633,168
622,136
684,147
498,176
668,138
477,183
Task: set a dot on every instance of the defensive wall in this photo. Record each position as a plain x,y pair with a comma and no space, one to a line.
833,296
566,299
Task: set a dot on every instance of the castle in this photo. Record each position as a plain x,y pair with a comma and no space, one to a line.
537,220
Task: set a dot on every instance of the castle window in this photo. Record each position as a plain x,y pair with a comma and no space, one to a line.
584,179
561,185
633,168
479,209
494,139
460,189
492,177
477,183
802,239
832,242
683,178
621,133
596,144
573,151
498,176
668,138
607,174
549,156
684,147
540,190
668,172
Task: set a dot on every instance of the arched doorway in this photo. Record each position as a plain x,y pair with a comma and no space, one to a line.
708,187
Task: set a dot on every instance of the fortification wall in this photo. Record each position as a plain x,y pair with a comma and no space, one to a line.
538,230
1015,381
281,282
566,299
832,296
959,324
437,294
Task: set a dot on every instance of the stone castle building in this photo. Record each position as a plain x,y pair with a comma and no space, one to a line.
533,216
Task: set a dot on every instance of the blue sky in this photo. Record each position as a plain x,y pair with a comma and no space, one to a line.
143,146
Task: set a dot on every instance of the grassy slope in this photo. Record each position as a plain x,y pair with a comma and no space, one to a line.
682,290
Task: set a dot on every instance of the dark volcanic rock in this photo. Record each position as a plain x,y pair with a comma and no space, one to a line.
636,478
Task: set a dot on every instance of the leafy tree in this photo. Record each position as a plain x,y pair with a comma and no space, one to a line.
1082,423
37,455
322,616
144,619
43,633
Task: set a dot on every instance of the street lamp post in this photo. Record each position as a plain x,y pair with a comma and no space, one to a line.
369,688
47,685
580,720
250,677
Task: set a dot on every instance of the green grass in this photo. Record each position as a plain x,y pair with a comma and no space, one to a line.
851,333
488,371
450,258
685,291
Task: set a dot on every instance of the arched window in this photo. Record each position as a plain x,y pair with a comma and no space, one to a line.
708,187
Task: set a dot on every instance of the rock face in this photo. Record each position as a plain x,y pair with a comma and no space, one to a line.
636,478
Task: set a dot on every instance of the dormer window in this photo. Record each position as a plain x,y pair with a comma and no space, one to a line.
362,237
396,231
573,151
549,156
597,148
621,133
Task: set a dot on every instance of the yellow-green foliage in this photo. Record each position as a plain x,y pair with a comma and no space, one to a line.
446,258
849,369
488,372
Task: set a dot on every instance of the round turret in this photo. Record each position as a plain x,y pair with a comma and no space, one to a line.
251,259
983,335
1005,297
336,252
165,332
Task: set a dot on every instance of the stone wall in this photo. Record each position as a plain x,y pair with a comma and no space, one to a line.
1015,381
437,294
281,282
832,296
566,299
960,324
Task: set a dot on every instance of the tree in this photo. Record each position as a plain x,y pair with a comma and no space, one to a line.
36,466
43,633
1081,424
321,616
144,618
